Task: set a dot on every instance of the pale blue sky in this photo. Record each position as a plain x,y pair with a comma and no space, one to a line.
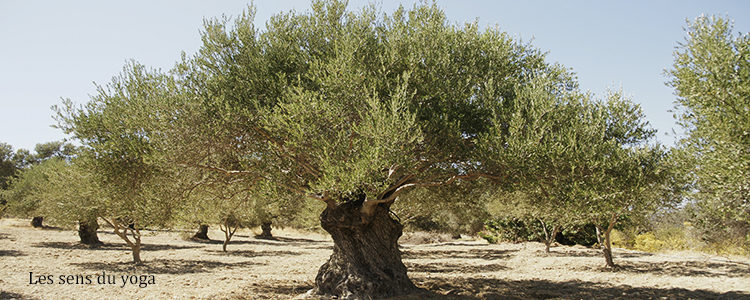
54,49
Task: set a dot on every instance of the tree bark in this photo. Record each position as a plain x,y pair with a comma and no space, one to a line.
87,232
266,231
549,238
202,233
121,230
366,262
606,246
137,253
36,222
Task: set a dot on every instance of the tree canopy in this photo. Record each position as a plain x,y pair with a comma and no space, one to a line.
711,78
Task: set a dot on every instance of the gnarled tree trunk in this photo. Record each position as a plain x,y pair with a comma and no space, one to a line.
36,222
266,231
87,232
366,262
202,233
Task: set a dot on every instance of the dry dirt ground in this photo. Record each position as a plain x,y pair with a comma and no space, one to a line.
286,267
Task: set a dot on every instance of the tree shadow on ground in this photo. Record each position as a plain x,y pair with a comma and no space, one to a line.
47,227
595,253
319,247
488,288
108,246
299,240
276,289
276,241
435,267
685,268
251,253
466,244
11,295
580,253
165,266
486,254
231,242
11,253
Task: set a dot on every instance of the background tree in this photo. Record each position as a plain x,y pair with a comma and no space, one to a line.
625,176
23,197
70,194
711,78
7,165
457,210
225,201
8,169
121,142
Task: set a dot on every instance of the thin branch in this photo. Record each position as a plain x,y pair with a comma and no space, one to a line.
285,153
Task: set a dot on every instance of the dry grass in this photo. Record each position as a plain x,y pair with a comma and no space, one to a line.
286,267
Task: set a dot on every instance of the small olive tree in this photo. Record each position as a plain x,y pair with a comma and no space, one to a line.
121,147
627,177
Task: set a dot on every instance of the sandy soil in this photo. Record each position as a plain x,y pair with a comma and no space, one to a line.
286,267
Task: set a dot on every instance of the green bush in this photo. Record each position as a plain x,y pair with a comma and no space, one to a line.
648,242
584,235
622,239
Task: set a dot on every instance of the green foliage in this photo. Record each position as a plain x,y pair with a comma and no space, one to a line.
582,234
458,209
7,166
49,150
515,230
511,230
23,194
710,76
335,103
119,132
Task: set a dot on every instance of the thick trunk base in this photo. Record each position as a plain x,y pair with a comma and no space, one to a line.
366,262
202,233
87,233
36,222
137,255
266,232
610,263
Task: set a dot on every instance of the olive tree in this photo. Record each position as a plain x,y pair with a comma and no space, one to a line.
353,109
70,194
124,152
8,167
711,78
228,202
559,141
13,164
626,177
356,110
23,192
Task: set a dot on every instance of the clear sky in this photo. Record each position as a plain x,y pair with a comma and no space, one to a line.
57,49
